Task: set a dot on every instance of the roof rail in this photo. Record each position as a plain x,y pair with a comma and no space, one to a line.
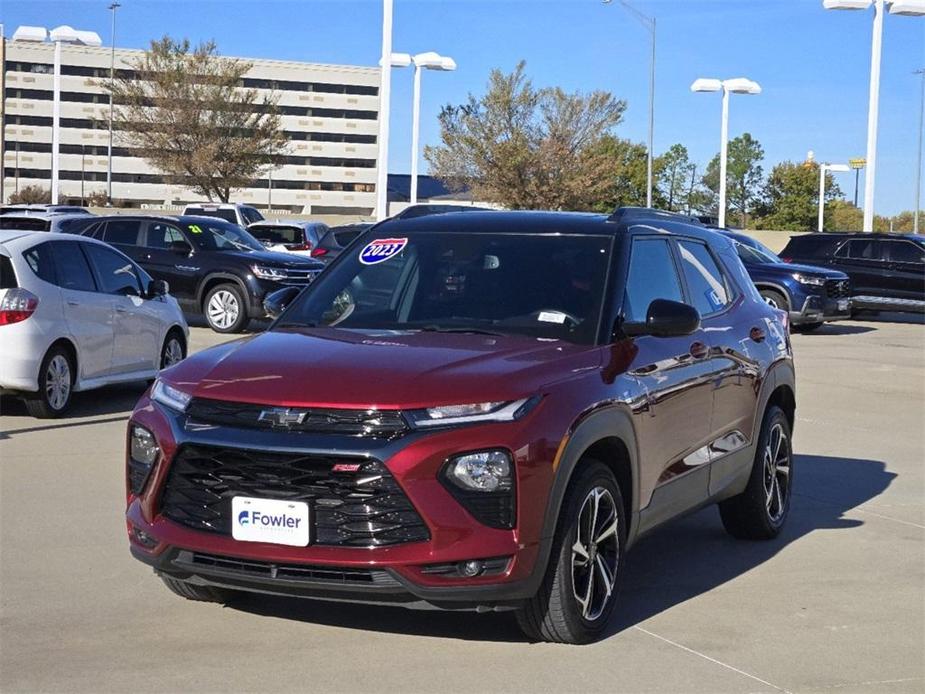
627,214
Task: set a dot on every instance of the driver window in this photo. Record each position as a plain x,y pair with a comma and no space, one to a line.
160,235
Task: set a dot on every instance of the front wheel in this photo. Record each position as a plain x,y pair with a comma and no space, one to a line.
174,349
225,309
775,299
759,512
56,382
578,593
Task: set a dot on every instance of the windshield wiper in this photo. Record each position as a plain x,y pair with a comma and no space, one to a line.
471,331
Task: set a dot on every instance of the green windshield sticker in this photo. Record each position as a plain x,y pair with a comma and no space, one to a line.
195,228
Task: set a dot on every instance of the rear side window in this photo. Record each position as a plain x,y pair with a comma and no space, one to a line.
7,276
116,272
860,249
652,275
124,232
161,235
40,261
705,281
72,268
905,252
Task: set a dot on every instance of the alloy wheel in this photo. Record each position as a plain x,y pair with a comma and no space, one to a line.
223,309
58,382
776,473
770,302
173,353
596,553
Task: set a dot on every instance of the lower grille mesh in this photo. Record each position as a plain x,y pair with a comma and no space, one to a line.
358,504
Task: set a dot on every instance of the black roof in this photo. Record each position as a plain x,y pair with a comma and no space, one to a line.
542,222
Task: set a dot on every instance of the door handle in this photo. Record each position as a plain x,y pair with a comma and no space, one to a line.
756,334
699,350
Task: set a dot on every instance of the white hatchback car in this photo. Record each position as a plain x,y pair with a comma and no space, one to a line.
77,314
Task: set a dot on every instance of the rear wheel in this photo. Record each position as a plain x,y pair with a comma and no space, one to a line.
224,309
191,591
56,382
577,596
759,512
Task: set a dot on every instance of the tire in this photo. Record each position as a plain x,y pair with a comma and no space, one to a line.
56,385
191,591
807,327
775,299
173,350
759,512
224,309
556,613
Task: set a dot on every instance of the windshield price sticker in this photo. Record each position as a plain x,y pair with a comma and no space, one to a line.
381,250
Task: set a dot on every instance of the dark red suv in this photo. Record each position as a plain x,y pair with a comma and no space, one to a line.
478,410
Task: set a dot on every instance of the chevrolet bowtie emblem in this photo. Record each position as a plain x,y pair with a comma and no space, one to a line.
282,416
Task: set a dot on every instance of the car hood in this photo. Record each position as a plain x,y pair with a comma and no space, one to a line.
782,269
328,367
274,259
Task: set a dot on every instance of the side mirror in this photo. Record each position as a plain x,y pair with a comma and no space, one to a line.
157,288
276,302
666,318
179,247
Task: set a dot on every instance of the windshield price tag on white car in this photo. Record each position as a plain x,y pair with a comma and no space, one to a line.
270,520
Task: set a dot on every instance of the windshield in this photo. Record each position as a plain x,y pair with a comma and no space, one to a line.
227,214
761,256
540,286
216,235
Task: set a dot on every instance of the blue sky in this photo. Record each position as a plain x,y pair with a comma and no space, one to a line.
813,64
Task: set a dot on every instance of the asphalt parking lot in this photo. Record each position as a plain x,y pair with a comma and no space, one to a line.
836,604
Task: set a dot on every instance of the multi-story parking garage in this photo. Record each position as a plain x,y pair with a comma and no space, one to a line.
329,114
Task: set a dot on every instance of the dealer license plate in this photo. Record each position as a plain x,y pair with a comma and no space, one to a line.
270,520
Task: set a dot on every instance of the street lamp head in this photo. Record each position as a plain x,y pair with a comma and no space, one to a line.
706,85
27,33
909,8
742,85
434,61
846,4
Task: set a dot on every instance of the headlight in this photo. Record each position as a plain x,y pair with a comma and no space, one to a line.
809,279
171,397
269,273
449,415
143,453
483,483
487,471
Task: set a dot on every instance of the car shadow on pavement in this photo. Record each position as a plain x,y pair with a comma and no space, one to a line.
841,329
688,557
107,400
695,554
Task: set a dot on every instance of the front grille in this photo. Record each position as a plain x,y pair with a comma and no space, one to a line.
838,289
364,423
359,505
299,277
341,575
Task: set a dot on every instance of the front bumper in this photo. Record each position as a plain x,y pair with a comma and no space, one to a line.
818,309
404,573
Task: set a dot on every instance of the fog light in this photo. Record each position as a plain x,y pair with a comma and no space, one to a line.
143,538
471,568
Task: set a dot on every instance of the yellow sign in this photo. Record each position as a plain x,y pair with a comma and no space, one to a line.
857,163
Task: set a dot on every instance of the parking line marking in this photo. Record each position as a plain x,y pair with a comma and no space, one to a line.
713,660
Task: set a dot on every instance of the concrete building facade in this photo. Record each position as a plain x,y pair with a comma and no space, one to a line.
329,114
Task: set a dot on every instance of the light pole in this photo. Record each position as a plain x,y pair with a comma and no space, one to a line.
428,61
918,165
59,35
823,168
112,71
737,85
385,93
648,23
901,7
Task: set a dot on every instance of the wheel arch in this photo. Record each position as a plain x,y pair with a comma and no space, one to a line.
213,280
68,345
779,288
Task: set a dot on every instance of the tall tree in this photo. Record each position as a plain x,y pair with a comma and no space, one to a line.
743,178
674,179
791,198
187,113
625,165
525,147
